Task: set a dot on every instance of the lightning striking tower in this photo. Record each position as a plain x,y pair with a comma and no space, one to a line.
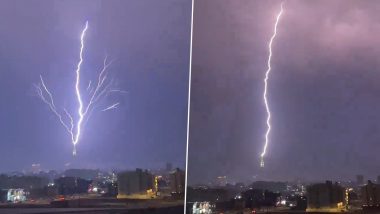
101,89
266,86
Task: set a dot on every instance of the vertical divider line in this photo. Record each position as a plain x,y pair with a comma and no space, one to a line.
188,104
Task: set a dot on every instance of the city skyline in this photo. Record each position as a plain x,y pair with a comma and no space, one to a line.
193,106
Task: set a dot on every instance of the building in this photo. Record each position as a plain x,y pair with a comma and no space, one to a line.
177,181
3,195
271,186
169,167
371,194
16,195
22,182
255,198
135,184
325,195
208,194
202,207
359,179
36,168
88,174
221,181
71,185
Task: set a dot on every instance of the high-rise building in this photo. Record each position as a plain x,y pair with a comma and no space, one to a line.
177,181
325,195
221,181
36,168
359,179
371,194
71,185
136,182
169,167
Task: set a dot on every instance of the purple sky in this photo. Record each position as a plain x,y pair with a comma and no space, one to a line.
323,90
149,41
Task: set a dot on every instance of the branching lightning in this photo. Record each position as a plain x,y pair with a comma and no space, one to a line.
89,85
113,106
119,91
85,109
266,86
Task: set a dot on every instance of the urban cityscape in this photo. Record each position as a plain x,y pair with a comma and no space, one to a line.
93,190
349,196
189,106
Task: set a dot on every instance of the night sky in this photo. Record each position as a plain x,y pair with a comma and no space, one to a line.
149,41
324,90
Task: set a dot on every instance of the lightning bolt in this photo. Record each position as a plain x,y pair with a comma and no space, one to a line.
101,90
266,86
119,91
88,86
113,106
77,89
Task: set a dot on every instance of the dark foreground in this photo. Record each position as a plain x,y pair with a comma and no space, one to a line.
162,210
97,206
